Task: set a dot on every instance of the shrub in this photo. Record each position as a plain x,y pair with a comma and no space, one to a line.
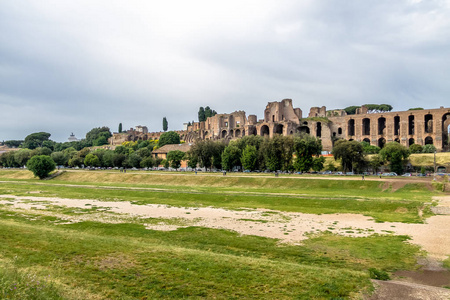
415,148
428,148
41,165
378,274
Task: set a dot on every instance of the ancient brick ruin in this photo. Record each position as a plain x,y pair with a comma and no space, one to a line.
428,126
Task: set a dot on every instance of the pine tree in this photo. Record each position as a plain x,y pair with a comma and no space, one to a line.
120,127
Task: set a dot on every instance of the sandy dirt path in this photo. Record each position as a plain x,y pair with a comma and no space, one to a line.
433,236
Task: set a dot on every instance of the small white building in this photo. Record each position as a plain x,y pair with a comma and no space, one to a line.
72,138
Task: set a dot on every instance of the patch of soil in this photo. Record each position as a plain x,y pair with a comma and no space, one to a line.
397,290
427,277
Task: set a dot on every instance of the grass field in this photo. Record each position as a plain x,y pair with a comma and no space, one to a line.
44,257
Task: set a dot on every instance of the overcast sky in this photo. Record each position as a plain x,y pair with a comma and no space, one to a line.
70,66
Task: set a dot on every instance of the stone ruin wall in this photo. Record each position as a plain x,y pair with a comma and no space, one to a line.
280,117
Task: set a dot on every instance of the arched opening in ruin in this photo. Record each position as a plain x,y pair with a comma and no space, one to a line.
243,132
231,133
446,132
381,125
265,130
305,123
351,140
339,130
428,123
252,131
291,132
273,118
396,125
237,133
205,134
303,129
278,129
334,134
366,126
381,142
410,141
397,140
351,127
428,140
366,140
224,133
411,125
319,129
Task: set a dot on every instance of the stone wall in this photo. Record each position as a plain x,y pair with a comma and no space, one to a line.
421,127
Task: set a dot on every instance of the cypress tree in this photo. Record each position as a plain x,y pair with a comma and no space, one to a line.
165,124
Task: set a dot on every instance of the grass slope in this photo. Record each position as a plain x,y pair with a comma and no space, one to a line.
127,261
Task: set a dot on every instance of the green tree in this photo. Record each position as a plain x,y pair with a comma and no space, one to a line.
41,151
7,160
60,158
170,137
133,160
120,127
36,140
13,143
165,124
278,152
207,153
330,166
306,148
378,108
351,110
118,159
100,141
91,160
22,156
318,163
41,165
148,162
209,112
396,155
369,149
415,148
192,162
144,152
231,157
97,133
165,163
201,114
174,158
428,148
249,158
375,163
107,158
351,154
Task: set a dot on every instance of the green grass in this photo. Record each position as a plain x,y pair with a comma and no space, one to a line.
127,261
447,263
370,198
93,260
20,284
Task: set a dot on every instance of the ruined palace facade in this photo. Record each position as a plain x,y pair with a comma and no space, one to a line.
428,126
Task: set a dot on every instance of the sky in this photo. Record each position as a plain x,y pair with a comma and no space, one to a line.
70,66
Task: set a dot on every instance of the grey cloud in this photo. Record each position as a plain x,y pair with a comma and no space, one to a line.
70,67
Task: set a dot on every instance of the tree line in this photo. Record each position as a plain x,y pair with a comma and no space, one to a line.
281,153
